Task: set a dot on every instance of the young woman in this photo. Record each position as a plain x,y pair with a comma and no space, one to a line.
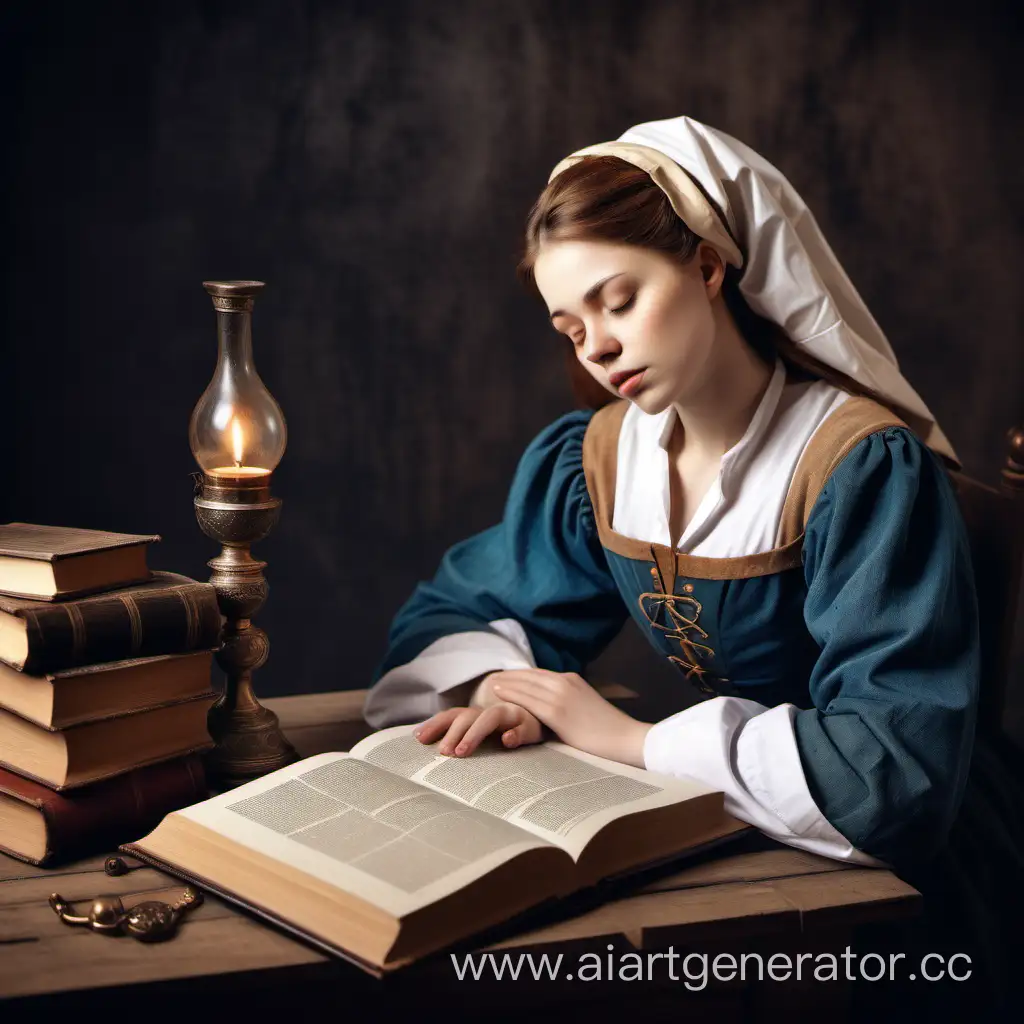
764,492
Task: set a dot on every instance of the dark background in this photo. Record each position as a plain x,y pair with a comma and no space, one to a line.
374,164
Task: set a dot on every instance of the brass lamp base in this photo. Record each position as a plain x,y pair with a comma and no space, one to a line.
248,738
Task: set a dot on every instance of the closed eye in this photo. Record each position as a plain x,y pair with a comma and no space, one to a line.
625,306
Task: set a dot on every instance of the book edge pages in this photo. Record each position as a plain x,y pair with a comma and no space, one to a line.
134,850
70,594
26,859
68,787
14,633
730,832
421,932
7,790
595,870
500,924
168,583
205,695
80,671
34,819
31,686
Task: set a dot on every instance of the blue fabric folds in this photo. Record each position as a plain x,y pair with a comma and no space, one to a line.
891,602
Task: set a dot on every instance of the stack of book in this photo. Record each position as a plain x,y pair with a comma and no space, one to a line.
104,690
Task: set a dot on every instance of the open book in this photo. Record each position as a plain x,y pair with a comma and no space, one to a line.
393,851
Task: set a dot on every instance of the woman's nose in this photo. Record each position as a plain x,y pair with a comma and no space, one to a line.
600,344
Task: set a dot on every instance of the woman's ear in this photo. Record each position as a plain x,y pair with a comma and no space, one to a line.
712,268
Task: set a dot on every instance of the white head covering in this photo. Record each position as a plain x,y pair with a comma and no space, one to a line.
790,275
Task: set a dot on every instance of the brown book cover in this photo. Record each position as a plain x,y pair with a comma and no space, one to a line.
170,614
52,543
59,700
42,826
55,563
100,749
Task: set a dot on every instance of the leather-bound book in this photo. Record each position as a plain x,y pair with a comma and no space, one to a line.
45,827
170,614
53,563
58,700
69,758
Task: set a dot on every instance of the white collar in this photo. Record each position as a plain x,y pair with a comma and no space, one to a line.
741,452
741,511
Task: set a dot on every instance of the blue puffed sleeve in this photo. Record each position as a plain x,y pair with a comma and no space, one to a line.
892,604
542,566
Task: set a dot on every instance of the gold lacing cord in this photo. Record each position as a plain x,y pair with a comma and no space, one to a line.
682,624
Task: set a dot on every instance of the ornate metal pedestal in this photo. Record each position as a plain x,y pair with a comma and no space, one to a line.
248,737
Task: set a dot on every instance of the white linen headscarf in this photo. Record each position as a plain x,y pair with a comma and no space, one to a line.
790,275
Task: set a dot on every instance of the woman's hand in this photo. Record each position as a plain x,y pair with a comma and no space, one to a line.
463,729
579,715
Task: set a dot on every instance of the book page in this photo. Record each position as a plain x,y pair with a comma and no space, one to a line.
556,792
364,830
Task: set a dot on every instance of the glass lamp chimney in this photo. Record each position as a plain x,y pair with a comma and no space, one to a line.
237,429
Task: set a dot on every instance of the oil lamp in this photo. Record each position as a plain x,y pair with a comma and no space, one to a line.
237,434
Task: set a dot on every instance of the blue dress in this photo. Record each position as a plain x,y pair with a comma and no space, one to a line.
867,623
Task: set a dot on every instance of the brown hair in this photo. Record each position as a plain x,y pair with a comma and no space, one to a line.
603,198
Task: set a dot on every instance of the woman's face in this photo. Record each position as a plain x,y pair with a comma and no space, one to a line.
641,323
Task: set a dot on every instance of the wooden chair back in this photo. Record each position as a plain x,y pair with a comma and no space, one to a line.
996,537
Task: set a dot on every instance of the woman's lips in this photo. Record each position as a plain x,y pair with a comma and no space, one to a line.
630,384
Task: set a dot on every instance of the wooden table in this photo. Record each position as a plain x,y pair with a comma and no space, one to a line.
754,896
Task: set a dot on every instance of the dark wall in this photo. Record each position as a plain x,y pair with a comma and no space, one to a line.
373,163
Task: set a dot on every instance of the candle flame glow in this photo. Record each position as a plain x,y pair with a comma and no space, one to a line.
236,438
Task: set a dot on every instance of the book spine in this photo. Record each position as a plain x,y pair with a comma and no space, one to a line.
106,814
122,626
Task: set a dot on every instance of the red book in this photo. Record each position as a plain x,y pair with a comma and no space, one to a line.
42,826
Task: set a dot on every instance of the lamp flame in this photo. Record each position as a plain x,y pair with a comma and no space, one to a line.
236,439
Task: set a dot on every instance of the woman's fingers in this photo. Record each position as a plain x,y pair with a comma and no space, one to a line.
491,720
437,725
458,729
511,737
529,730
462,730
448,726
528,700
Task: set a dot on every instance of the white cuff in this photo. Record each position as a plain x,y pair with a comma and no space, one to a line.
413,692
749,752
